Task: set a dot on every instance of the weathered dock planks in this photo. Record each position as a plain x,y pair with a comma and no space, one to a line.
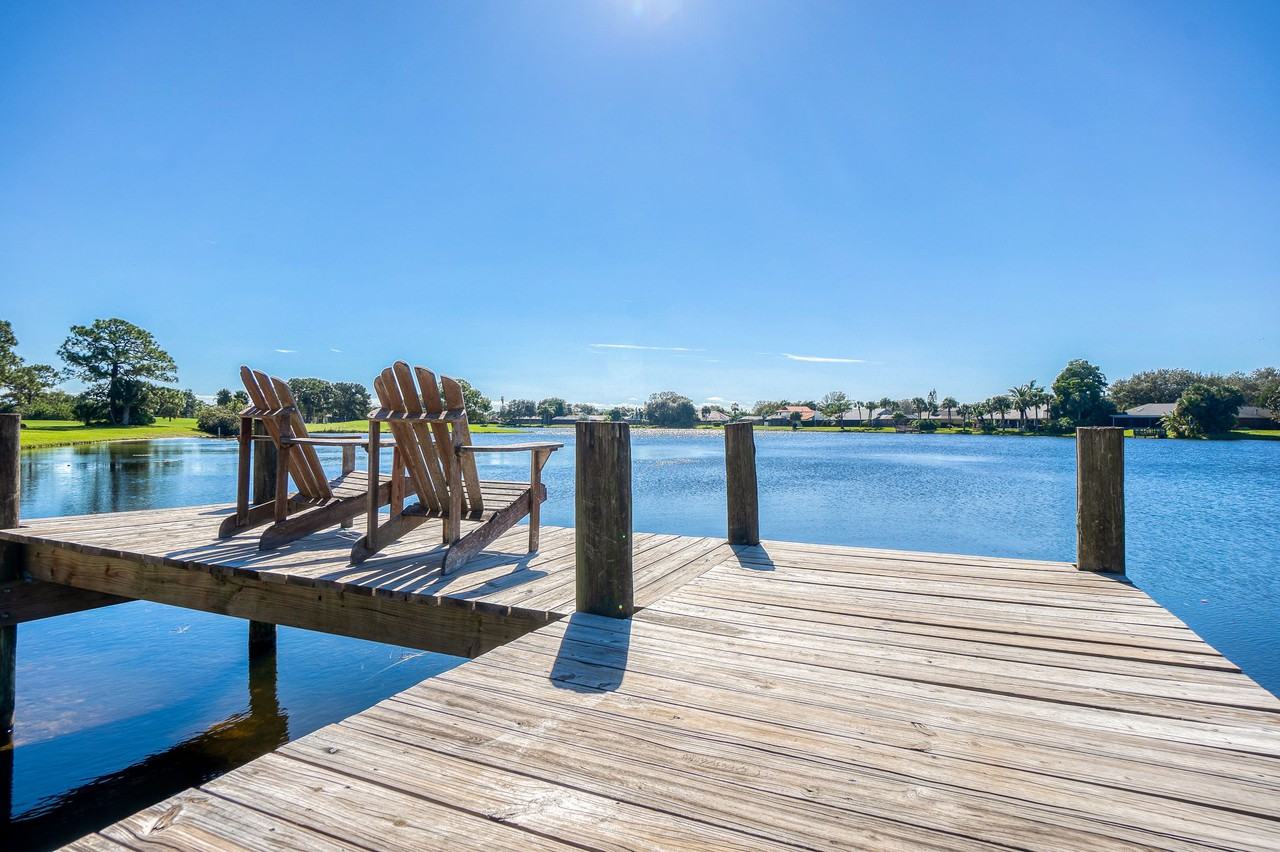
779,696
173,556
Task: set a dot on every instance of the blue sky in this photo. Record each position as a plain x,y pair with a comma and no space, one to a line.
600,200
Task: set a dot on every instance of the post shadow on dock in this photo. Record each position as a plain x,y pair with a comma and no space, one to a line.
593,651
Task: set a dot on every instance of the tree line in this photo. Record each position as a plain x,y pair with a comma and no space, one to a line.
124,370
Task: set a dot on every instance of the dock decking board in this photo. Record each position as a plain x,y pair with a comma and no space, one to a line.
781,696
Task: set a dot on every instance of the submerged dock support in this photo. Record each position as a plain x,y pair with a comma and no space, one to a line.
1100,499
10,566
603,518
740,483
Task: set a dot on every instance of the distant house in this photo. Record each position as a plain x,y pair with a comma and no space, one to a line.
782,417
1037,415
570,419
719,418
1150,415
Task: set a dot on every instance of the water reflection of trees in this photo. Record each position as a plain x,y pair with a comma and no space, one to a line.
263,727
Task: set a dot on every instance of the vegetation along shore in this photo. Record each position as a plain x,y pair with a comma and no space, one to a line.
130,393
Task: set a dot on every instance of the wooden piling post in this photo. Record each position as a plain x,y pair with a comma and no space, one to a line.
603,519
1100,499
266,461
740,483
10,566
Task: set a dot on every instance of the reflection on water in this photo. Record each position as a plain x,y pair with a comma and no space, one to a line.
262,726
122,706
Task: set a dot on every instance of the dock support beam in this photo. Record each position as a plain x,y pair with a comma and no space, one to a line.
10,567
603,519
266,458
740,483
1100,499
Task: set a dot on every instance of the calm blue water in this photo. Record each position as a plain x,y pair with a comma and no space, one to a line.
122,706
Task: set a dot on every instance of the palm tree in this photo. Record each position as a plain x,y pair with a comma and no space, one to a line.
999,404
948,404
980,410
965,410
1043,401
1023,396
918,403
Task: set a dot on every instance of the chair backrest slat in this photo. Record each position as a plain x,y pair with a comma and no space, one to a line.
263,395
310,458
388,391
413,404
462,435
429,446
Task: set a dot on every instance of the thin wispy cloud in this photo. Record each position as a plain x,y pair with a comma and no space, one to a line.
331,349
818,359
649,348
715,399
286,351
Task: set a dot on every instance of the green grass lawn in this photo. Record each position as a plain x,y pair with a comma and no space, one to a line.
61,433
58,433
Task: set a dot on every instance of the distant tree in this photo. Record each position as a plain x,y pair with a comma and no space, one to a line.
119,358
27,383
20,383
899,417
1205,409
931,402
1164,385
191,404
768,408
617,414
1024,398
219,420
670,409
1080,394
91,408
948,404
314,398
998,406
240,398
919,405
1257,386
585,409
479,407
834,405
165,402
52,405
965,410
222,397
351,401
517,409
552,406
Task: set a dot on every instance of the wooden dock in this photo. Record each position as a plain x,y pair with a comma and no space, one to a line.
762,694
776,696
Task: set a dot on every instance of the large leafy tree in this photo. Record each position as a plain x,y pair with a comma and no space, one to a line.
1080,394
314,398
1164,385
479,407
668,408
21,384
834,405
119,361
1206,409
351,401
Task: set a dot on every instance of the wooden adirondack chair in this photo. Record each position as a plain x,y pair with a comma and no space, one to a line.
319,501
433,443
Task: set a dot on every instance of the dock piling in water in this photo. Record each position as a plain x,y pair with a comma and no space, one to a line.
1100,499
740,483
603,518
10,565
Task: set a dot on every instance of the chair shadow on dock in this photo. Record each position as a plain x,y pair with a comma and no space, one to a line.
593,653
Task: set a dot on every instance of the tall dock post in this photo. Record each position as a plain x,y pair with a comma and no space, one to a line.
10,567
603,519
1100,499
266,458
740,483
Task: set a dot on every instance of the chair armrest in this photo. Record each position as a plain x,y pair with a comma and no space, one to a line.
338,440
510,448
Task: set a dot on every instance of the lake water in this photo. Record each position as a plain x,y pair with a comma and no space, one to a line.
120,707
